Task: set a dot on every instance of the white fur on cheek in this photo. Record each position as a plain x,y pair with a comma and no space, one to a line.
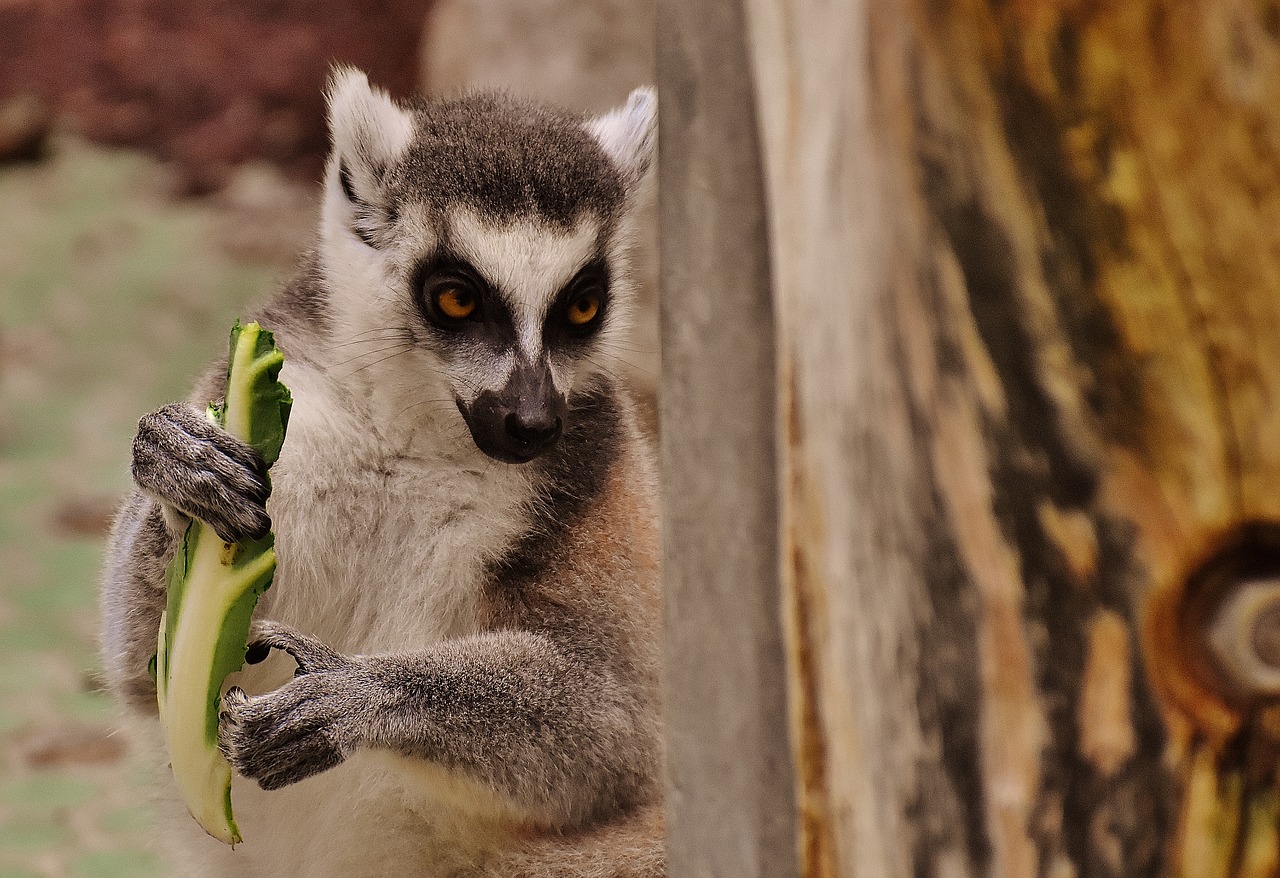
374,354
561,377
359,276
471,378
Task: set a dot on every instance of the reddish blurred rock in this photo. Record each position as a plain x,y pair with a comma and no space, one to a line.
84,516
205,85
25,121
75,746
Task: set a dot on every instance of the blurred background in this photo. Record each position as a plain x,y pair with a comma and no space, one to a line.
158,167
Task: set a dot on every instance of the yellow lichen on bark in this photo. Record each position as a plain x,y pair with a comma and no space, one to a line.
1141,140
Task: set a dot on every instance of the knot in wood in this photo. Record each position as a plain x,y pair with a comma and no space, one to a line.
1244,637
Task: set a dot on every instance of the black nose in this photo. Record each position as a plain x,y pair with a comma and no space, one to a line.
535,435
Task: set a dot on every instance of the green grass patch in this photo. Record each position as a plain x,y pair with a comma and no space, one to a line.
46,790
133,819
121,863
30,833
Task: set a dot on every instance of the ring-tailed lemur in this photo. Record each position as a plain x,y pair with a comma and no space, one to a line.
464,511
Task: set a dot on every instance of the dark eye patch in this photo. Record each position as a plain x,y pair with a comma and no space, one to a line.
491,323
560,330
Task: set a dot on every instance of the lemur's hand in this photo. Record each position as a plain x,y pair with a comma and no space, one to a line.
308,725
202,471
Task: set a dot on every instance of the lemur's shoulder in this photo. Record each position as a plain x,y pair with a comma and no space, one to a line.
301,306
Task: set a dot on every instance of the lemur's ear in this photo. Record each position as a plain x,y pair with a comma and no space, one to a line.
370,132
629,134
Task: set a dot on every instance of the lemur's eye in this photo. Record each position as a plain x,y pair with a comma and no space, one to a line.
452,296
456,303
583,309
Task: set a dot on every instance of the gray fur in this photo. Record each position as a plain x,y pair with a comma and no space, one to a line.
496,622
185,460
133,596
506,158
302,304
502,157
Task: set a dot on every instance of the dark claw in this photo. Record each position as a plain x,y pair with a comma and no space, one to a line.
257,653
253,524
312,655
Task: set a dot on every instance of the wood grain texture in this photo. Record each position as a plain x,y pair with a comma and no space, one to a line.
1028,320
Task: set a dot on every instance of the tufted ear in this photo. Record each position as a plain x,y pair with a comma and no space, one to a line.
629,134
370,132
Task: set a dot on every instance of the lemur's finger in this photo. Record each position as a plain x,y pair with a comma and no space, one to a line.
300,760
233,516
282,761
270,722
233,701
187,437
312,655
282,737
182,459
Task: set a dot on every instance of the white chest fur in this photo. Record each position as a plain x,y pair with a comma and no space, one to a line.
383,544
384,540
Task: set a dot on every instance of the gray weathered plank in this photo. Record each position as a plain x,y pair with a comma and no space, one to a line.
731,800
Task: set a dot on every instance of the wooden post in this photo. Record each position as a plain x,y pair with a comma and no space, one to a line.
1025,277
730,806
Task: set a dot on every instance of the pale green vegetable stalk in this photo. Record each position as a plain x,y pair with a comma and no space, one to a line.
213,588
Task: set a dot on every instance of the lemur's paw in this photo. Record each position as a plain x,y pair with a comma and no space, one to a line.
305,727
311,654
204,472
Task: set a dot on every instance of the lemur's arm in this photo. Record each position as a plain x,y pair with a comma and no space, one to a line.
183,465
133,597
558,734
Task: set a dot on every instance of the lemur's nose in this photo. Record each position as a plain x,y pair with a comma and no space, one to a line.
535,434
520,421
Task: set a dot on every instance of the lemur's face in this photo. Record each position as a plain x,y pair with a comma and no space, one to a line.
516,315
486,241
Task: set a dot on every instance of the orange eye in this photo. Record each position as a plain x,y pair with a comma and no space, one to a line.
456,303
584,309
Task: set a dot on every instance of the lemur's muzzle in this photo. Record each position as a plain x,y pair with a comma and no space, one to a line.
520,421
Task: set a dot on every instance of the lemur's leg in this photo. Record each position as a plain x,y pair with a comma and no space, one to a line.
184,465
514,710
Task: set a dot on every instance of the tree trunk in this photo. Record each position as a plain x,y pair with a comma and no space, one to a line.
1026,314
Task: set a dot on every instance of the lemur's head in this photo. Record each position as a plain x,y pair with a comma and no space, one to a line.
478,248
